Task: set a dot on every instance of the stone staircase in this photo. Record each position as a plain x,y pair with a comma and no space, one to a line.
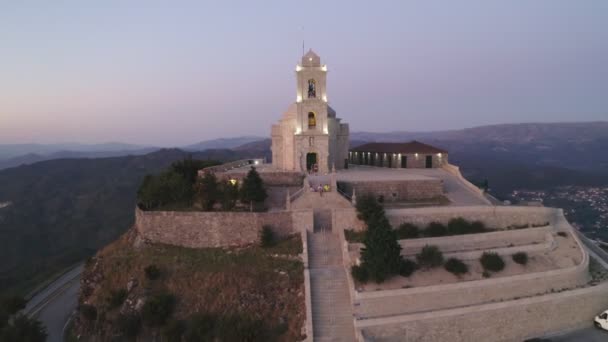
331,308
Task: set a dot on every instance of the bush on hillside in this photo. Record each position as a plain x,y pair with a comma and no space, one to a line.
152,272
429,257
89,312
12,304
129,325
407,267
360,274
435,229
407,231
158,309
205,327
173,331
456,266
116,298
267,237
491,261
520,258
459,226
23,328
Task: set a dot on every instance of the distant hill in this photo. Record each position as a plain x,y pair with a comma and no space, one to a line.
31,158
223,143
63,210
14,150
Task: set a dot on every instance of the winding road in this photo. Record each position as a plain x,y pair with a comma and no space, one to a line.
54,304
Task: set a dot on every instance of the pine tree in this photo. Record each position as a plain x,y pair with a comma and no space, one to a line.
381,255
207,190
252,190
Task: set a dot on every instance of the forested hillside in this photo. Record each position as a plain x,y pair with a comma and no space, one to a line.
59,212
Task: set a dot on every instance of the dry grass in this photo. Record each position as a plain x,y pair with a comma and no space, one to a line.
263,284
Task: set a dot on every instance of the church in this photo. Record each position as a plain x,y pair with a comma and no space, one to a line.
310,137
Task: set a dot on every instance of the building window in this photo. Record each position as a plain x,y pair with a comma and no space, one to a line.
312,89
312,120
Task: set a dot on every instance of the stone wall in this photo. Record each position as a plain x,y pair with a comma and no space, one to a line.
528,240
494,217
346,218
507,321
270,178
211,229
393,191
437,297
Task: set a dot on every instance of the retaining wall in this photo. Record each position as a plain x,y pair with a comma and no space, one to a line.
394,191
492,217
473,242
212,229
270,178
507,321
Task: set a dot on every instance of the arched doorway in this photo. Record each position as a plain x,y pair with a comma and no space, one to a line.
311,161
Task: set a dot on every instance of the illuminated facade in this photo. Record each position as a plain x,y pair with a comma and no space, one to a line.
309,136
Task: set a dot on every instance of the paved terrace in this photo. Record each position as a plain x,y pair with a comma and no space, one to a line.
455,189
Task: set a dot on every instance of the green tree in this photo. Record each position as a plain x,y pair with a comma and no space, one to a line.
381,255
23,329
207,191
229,194
368,207
252,190
188,168
158,309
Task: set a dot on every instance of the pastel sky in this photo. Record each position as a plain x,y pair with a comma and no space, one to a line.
155,72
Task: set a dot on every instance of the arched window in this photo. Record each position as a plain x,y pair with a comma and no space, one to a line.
312,89
312,120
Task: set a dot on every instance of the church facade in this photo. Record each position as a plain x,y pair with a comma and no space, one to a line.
309,137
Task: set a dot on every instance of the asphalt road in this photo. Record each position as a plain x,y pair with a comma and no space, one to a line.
590,334
54,304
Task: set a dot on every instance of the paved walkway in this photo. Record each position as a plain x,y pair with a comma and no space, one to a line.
332,315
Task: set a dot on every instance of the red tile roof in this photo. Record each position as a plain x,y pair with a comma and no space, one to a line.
404,148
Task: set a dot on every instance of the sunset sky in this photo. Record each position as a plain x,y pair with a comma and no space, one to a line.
156,73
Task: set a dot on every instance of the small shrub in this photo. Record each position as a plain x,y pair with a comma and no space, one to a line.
407,267
491,261
174,330
157,309
12,304
456,266
407,231
486,274
435,229
129,325
360,273
520,258
562,234
200,327
117,297
89,312
459,226
429,257
267,237
152,272
478,227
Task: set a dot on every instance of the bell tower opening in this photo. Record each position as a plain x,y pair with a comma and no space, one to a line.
312,120
312,89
